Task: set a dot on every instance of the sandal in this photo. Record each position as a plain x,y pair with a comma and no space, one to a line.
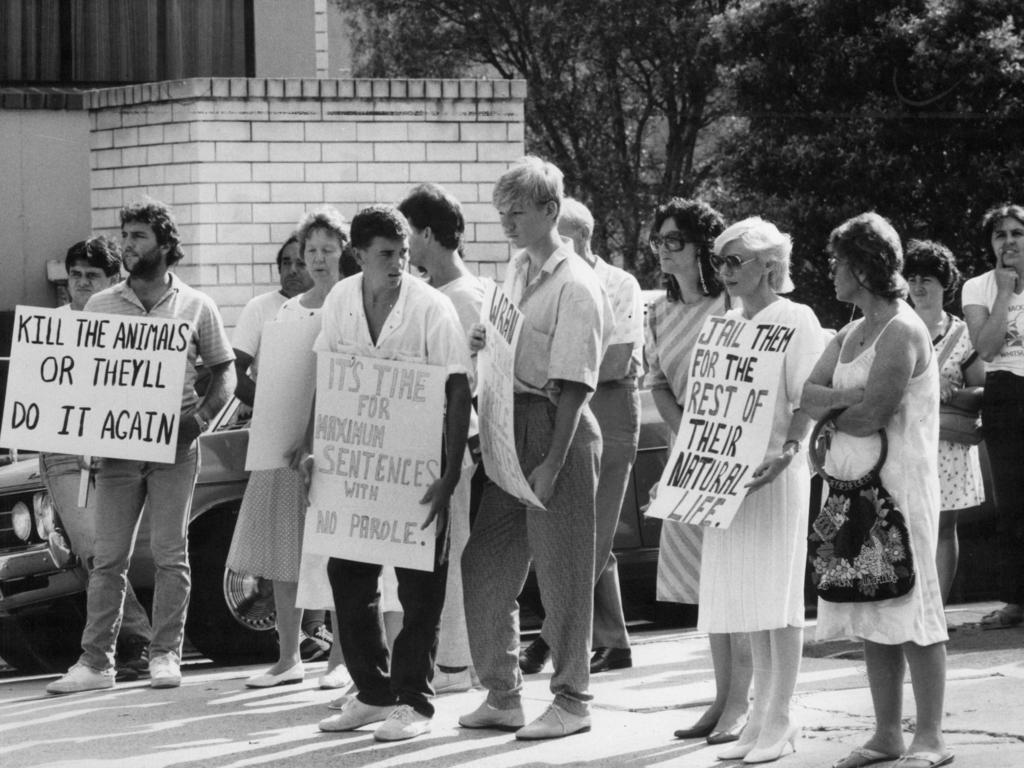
862,756
928,760
1002,618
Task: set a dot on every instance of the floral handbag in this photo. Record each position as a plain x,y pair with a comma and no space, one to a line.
859,546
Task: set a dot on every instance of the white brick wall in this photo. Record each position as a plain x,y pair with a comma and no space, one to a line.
241,160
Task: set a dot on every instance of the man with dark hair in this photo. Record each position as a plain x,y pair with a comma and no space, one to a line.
384,312
93,265
150,246
438,227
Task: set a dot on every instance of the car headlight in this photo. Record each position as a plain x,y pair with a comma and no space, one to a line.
21,520
45,522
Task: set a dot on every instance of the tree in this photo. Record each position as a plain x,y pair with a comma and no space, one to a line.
618,92
912,108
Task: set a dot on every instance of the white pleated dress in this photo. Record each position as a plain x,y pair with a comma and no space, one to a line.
910,474
752,573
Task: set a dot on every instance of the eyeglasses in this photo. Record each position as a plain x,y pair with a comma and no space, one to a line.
673,242
730,261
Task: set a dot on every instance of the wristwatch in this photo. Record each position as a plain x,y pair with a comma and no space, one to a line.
794,443
201,421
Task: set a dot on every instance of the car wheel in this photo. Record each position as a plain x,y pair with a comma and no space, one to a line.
230,617
44,638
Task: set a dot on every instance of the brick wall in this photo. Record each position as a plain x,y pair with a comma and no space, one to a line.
240,160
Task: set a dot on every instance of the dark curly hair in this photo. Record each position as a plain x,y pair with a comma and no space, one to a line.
700,224
98,252
872,249
927,258
992,217
377,221
159,218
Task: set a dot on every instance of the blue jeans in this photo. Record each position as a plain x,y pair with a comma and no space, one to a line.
61,476
122,487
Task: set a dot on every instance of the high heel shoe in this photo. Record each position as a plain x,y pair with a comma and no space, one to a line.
778,749
696,732
737,751
290,676
726,735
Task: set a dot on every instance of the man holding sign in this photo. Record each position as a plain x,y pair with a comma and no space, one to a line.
565,318
150,247
385,313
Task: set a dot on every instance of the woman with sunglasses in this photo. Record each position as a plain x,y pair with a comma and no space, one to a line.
681,237
752,572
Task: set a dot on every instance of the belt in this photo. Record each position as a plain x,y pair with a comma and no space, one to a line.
627,383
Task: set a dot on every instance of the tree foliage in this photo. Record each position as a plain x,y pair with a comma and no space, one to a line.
618,91
913,108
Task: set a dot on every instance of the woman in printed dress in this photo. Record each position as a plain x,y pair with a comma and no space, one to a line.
930,271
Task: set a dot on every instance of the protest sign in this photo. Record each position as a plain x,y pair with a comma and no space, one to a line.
495,370
376,448
727,419
97,384
284,391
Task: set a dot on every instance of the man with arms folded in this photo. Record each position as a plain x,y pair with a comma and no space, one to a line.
150,247
385,312
559,449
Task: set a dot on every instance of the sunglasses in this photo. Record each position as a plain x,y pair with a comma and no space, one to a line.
673,242
730,261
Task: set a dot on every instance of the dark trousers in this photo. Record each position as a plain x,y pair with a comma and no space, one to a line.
1002,417
361,632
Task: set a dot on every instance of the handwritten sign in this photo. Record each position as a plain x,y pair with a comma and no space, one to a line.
727,419
495,364
377,448
284,391
97,384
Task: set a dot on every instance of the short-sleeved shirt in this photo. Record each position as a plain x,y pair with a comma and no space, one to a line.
422,327
982,290
208,342
258,312
467,295
627,302
565,317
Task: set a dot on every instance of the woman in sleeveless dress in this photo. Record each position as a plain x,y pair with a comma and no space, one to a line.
880,373
682,236
930,271
267,541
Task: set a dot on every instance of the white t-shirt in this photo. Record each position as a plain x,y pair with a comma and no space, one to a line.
628,308
981,291
246,335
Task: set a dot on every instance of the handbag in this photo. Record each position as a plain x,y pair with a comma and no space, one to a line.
956,423
859,545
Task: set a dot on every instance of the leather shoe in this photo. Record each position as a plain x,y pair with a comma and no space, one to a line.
294,674
534,656
486,716
605,659
554,724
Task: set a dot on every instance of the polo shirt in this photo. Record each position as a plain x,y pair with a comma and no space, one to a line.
208,342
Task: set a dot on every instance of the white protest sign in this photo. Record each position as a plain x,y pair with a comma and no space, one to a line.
727,419
97,384
376,448
284,391
495,370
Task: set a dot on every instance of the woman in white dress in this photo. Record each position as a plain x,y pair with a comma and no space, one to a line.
880,371
268,535
752,572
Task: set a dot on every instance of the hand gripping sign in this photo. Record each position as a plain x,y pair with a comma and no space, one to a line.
376,449
495,364
96,384
728,409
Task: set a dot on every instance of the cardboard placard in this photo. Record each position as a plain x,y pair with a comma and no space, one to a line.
284,391
376,448
97,384
495,373
727,419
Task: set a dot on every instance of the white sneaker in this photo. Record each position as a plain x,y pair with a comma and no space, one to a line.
164,671
82,678
553,724
404,722
452,682
354,715
486,716
336,678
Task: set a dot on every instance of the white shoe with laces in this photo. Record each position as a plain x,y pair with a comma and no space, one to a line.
404,722
82,678
553,724
164,671
354,715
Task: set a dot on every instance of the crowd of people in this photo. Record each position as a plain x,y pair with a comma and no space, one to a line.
871,393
